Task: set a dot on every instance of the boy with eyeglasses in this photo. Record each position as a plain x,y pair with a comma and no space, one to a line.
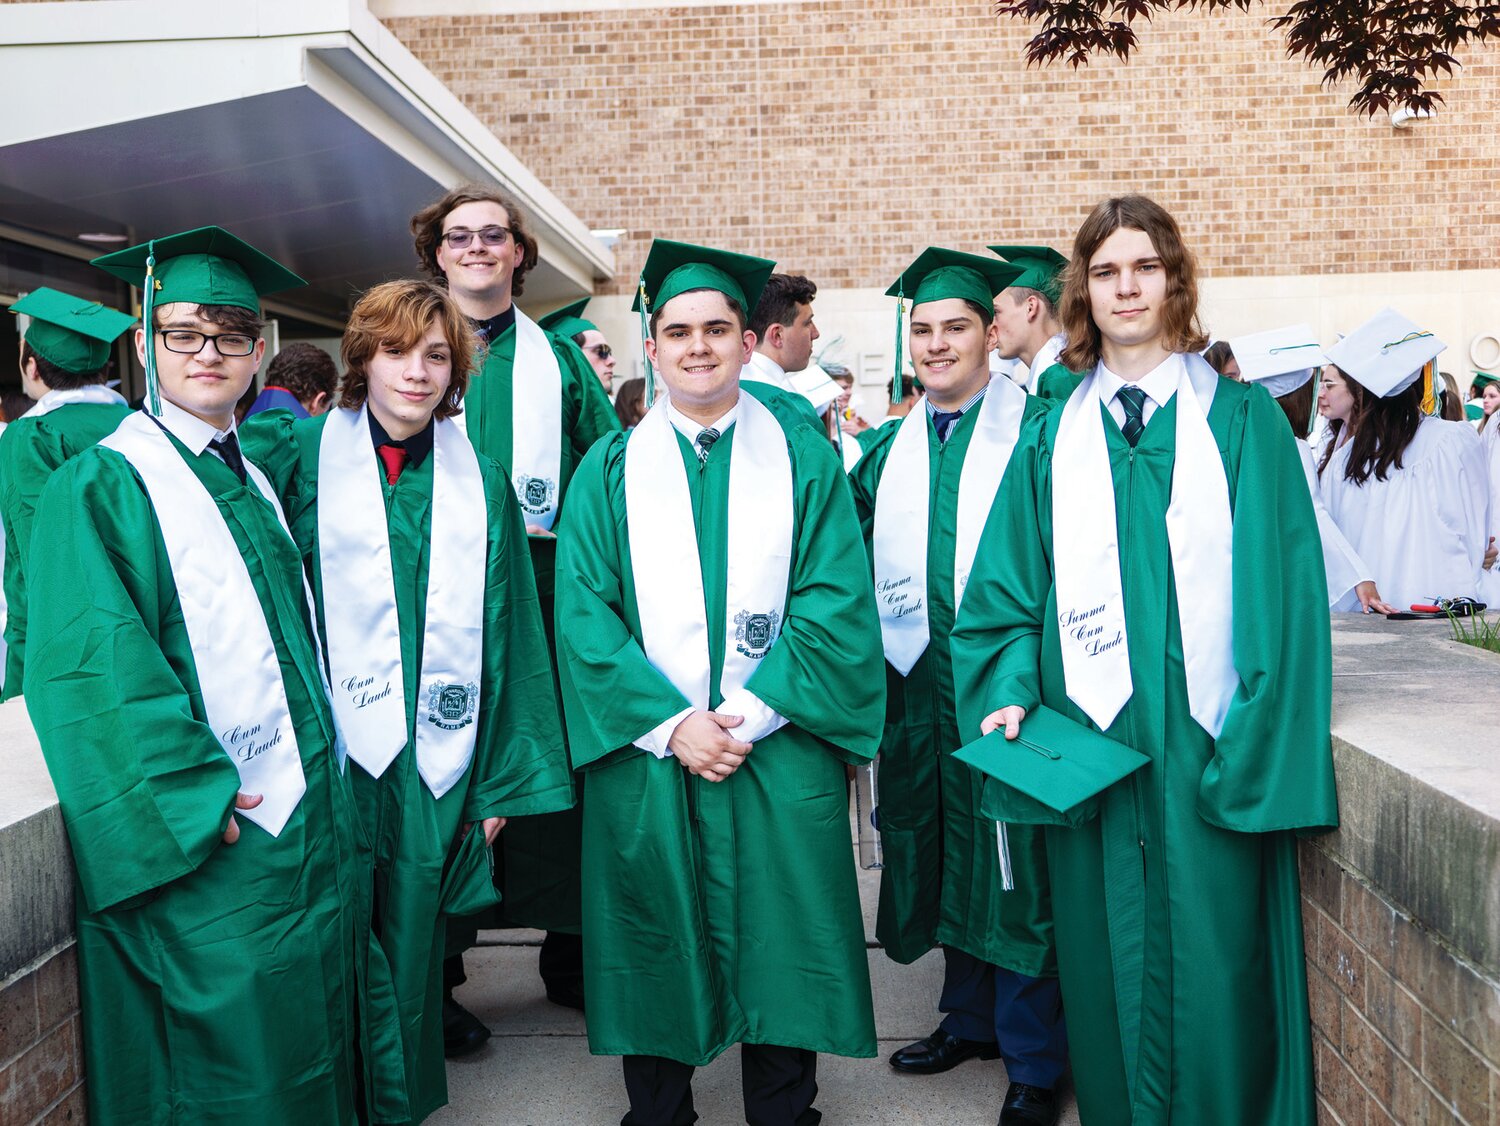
569,321
177,692
535,406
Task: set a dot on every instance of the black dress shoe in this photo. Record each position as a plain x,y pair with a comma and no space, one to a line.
940,1052
1026,1105
463,1032
568,996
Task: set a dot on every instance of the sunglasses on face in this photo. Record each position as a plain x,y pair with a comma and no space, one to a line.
460,237
603,351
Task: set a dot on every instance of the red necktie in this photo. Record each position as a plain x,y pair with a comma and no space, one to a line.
394,460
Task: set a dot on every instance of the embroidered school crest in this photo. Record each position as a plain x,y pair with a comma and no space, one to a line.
753,633
535,493
451,706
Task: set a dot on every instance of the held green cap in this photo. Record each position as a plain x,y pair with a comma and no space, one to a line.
1052,774
673,268
569,320
70,332
938,274
1041,268
207,266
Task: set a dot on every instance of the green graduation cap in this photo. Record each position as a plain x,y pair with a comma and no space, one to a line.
1052,774
938,274
569,320
206,266
70,332
1483,379
1041,268
673,268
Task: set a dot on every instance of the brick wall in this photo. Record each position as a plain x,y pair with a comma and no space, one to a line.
840,137
41,1046
1404,1031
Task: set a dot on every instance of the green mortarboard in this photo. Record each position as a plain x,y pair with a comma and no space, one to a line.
568,321
673,268
938,274
208,266
1483,379
1041,268
70,332
676,267
1052,774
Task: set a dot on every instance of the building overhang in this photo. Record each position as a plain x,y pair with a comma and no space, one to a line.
305,128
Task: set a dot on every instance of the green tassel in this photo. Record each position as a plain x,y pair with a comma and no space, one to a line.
148,308
650,372
896,395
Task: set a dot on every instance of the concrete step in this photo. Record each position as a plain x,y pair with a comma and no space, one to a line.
537,1070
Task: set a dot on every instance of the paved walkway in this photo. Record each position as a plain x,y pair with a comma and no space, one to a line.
537,1070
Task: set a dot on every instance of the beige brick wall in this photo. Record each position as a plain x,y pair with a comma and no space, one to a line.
41,1045
1404,1032
840,137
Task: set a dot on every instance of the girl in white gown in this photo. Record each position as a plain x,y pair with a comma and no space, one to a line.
1408,491
1284,362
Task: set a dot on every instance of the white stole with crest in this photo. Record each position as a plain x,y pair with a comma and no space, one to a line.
536,423
664,555
366,673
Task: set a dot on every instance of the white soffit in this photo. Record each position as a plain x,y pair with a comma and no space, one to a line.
305,127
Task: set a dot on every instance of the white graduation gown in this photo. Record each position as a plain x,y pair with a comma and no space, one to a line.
1423,530
1342,564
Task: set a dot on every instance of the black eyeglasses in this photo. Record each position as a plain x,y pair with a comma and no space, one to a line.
189,343
603,351
460,237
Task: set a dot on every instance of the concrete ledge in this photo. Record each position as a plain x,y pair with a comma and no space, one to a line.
1415,723
36,868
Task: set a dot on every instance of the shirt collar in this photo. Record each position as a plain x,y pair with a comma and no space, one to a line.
417,447
188,428
492,327
690,429
1160,383
769,370
932,407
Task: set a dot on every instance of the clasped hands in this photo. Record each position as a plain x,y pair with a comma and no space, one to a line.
703,744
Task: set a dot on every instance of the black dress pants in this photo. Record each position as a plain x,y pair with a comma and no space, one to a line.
779,1085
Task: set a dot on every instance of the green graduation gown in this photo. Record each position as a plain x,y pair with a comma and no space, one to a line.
30,449
1178,920
1056,383
942,882
537,858
218,981
722,912
519,766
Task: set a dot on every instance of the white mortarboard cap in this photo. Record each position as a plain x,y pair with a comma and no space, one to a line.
1280,360
816,386
1386,354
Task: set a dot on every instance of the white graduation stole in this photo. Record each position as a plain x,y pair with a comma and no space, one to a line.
536,423
902,519
239,672
359,603
1086,555
664,549
93,393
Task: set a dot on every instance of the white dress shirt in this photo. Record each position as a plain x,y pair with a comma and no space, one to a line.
1160,384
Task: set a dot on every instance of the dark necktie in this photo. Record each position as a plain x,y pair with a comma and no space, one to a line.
942,422
394,460
1133,400
706,440
228,448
